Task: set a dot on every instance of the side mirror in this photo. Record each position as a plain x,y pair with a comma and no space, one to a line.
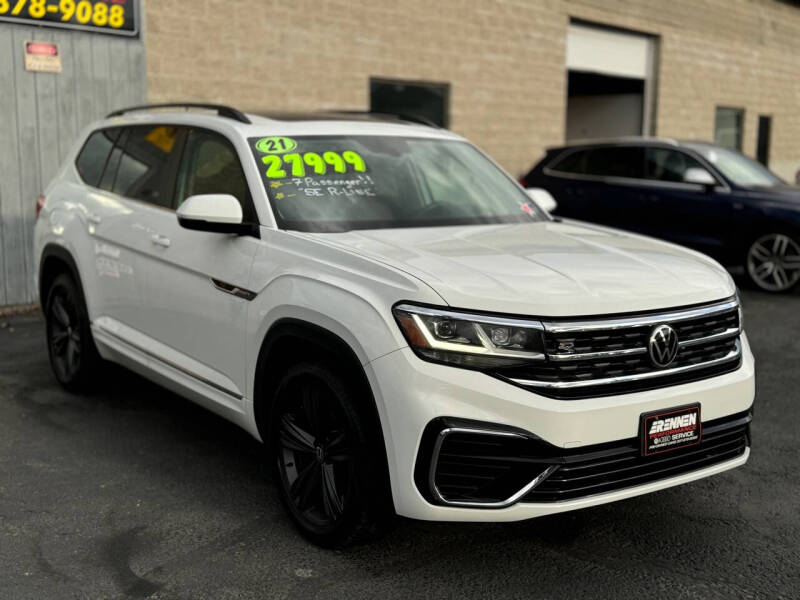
218,213
700,177
543,199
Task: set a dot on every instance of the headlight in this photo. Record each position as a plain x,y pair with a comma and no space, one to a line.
470,340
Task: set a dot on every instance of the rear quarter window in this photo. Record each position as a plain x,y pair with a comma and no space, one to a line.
572,162
93,156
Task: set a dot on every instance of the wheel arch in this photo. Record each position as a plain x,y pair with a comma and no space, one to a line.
290,340
55,259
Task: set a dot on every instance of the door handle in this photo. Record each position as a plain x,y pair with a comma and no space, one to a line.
93,218
160,240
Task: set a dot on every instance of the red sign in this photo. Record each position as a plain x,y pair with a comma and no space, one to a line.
41,49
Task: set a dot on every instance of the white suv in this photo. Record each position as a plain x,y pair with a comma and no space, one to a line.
400,322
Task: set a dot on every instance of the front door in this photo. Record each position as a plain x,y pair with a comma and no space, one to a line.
194,283
689,214
185,320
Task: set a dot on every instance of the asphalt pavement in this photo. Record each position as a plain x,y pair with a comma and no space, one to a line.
133,492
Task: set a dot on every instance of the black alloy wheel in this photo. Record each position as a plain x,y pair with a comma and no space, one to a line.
69,341
327,465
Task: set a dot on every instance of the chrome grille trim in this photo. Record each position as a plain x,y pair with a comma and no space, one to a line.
734,354
603,354
626,322
724,335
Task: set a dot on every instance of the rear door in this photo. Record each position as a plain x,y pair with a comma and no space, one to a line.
600,185
110,273
195,284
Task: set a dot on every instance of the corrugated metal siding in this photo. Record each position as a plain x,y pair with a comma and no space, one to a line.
40,115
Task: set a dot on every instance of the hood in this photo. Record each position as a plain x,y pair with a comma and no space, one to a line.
544,269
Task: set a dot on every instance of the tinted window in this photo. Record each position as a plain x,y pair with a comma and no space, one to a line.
210,165
94,155
112,164
668,165
764,134
574,162
621,161
143,172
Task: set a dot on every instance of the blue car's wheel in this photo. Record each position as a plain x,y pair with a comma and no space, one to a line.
773,262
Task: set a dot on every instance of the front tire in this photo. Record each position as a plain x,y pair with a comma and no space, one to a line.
773,262
328,459
73,355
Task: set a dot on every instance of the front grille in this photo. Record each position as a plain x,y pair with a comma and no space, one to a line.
472,465
621,465
606,356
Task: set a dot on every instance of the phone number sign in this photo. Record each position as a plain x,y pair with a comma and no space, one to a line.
117,17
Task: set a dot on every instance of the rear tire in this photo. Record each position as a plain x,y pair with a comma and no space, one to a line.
328,458
73,355
772,263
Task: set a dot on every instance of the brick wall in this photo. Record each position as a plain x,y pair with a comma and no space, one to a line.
504,60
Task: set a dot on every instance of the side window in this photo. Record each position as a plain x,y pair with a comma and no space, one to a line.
664,164
616,161
112,164
210,165
574,162
93,156
144,164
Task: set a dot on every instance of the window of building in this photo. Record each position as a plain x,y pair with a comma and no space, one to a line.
615,161
93,156
210,165
728,127
143,172
430,101
764,135
664,164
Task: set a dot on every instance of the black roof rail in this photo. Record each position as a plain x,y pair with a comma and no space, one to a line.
390,115
222,110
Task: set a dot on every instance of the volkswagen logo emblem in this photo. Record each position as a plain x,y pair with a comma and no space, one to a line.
663,345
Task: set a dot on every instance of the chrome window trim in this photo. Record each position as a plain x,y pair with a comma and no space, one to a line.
623,322
513,499
563,385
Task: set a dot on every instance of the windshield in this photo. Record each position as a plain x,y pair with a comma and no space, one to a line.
737,167
336,183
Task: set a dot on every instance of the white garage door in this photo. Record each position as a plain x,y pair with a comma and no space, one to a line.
615,54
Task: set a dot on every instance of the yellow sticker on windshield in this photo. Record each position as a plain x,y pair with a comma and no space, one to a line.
276,144
297,165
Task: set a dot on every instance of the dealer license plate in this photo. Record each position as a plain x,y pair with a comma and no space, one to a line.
671,429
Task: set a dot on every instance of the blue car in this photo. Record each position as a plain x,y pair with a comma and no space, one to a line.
700,195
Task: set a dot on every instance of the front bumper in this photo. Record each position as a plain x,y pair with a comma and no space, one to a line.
412,393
